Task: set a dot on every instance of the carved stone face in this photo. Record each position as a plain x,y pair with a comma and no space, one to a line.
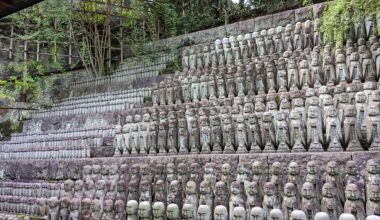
267,117
158,209
373,167
351,168
174,186
257,168
311,167
276,168
144,210
226,169
119,206
132,207
275,214
96,205
220,213
352,192
238,213
204,213
328,190
252,188
187,211
272,105
68,185
205,188
374,194
308,190
220,188
289,190
235,188
269,189
108,205
87,170
191,188
172,211
293,169
360,97
298,215
332,168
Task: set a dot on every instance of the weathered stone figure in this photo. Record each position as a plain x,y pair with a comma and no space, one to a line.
236,197
268,133
351,130
314,130
188,211
204,212
310,203
354,204
191,195
172,212
271,200
290,201
220,213
330,202
373,203
159,212
206,194
334,136
53,213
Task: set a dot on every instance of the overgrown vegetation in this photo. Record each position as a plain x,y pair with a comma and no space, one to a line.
340,17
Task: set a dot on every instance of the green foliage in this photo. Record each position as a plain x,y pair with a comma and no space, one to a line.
340,15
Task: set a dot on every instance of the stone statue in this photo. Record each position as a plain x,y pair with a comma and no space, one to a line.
191,195
351,130
372,126
188,211
310,203
298,215
314,129
271,200
361,106
145,211
276,214
313,176
334,136
242,174
347,216
355,69
298,40
159,212
205,135
321,216
241,138
85,212
120,213
238,213
268,133
305,75
194,135
372,175
354,203
145,191
186,92
253,195
183,136
206,194
185,59
172,212
162,138
204,212
271,79
160,195
282,134
228,136
290,201
133,190
216,135
330,203
261,48
369,67
373,203
318,36
174,195
152,139
97,212
254,134
221,194
236,197
294,176
132,210
256,213
278,42
297,132
53,213
220,213
108,212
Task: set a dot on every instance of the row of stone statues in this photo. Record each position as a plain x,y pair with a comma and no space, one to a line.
33,190
317,123
267,187
290,73
118,210
234,50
